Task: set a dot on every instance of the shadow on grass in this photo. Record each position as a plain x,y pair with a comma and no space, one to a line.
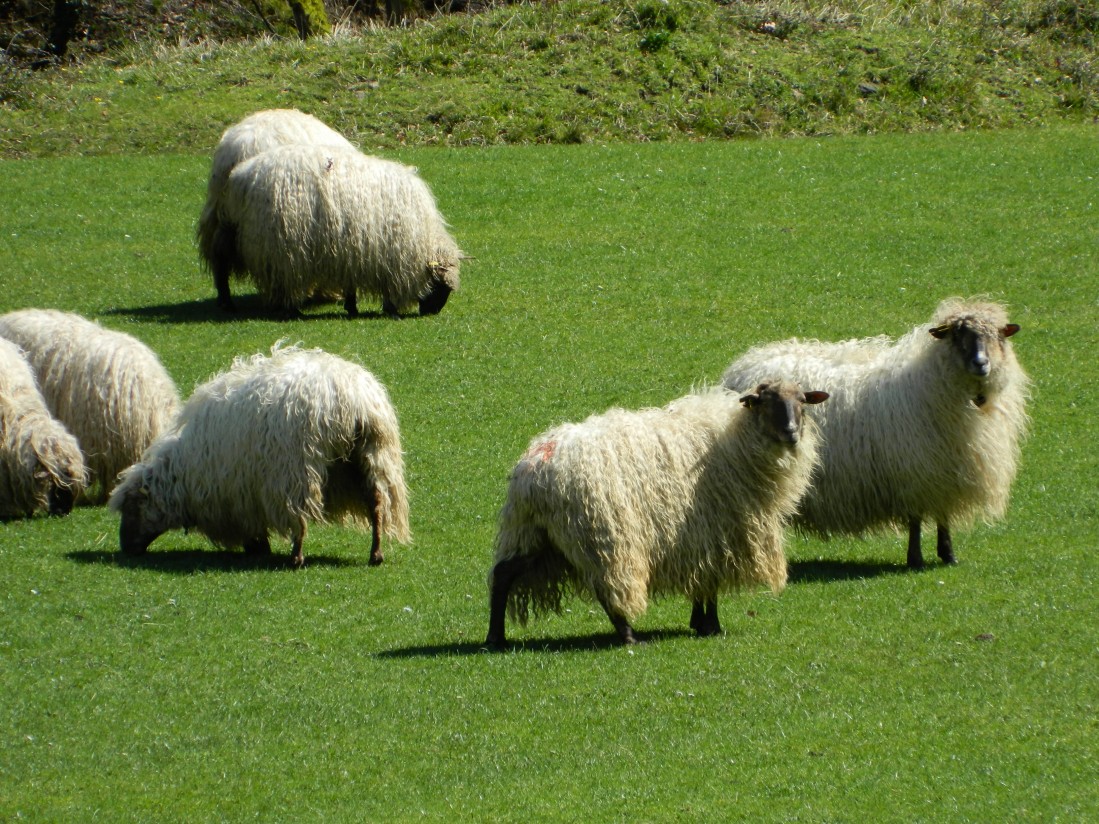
825,570
189,561
582,643
248,307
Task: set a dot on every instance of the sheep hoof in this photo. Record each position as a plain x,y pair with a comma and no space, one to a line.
493,644
376,558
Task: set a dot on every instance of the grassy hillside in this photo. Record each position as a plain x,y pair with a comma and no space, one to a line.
581,71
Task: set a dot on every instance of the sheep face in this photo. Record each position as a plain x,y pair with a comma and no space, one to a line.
777,409
62,471
975,342
61,500
439,288
142,522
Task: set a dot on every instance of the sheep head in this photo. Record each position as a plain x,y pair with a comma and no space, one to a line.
61,499
975,340
142,521
61,468
443,281
777,406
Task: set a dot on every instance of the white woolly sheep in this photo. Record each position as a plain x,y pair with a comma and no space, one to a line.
108,388
690,499
927,427
40,462
255,134
298,219
270,445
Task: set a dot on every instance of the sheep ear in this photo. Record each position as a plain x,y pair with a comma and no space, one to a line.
749,400
816,397
1009,330
940,332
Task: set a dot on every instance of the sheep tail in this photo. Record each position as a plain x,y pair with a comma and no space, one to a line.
382,463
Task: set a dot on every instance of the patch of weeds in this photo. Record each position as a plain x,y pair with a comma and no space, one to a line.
1065,20
656,15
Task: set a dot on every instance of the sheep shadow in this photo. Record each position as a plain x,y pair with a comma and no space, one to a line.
248,307
191,561
576,643
821,570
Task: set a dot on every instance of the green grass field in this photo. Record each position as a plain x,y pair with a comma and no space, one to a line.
197,685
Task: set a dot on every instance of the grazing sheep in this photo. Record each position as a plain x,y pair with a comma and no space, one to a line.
301,218
40,462
927,427
108,388
690,499
255,134
270,445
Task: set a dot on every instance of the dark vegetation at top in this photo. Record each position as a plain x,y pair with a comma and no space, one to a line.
41,33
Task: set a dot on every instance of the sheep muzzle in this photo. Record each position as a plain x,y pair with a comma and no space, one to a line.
133,539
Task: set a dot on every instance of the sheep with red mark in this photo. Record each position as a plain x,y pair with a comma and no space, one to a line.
689,499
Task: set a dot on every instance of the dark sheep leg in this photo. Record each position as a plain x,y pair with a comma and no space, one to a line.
224,252
258,546
351,302
221,284
621,625
945,546
704,619
503,576
376,556
297,557
915,556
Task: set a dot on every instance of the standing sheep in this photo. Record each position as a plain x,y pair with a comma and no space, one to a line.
108,388
690,499
255,134
40,462
298,219
927,427
270,445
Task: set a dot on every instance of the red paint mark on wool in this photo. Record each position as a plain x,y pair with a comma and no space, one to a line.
544,450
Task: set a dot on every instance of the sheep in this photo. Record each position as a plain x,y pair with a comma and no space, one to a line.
691,498
926,427
256,133
302,218
108,388
40,462
270,445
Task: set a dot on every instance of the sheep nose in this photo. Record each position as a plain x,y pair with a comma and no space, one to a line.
980,365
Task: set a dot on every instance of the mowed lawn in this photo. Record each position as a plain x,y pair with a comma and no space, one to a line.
194,684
